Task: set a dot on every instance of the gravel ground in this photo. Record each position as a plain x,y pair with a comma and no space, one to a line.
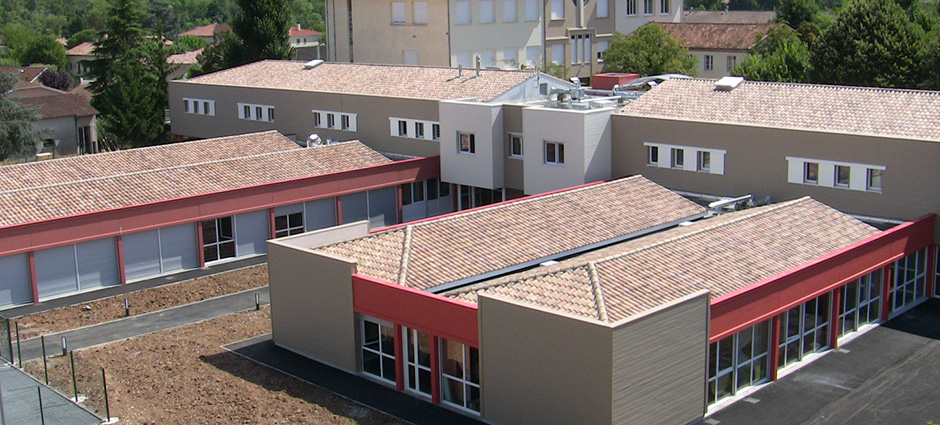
143,301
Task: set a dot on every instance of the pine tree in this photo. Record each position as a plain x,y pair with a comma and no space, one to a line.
130,80
261,28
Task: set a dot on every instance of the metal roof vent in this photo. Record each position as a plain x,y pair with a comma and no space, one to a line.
728,83
548,263
313,64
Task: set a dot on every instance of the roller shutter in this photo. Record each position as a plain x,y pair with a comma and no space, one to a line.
141,255
15,287
251,231
320,214
97,264
56,271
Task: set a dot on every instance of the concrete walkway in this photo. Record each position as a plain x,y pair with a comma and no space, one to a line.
20,394
889,375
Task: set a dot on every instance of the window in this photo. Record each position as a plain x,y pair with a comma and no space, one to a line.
420,12
463,12
412,192
811,173
709,62
460,375
678,158
466,142
804,329
664,6
874,180
317,119
515,145
331,120
403,128
580,48
435,131
398,13
738,361
648,7
258,113
487,12
417,350
652,155
910,277
554,153
288,224
199,106
347,122
603,10
531,55
378,349
704,161
246,112
253,112
843,175
419,130
631,7
344,121
601,48
861,302
558,53
510,57
531,10
732,62
509,10
558,9
218,239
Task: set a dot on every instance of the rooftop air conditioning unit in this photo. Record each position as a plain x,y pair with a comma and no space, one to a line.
313,64
728,83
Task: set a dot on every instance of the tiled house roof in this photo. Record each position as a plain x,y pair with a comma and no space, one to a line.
493,239
297,32
375,80
26,75
897,113
720,255
89,183
84,49
184,58
717,36
208,30
59,105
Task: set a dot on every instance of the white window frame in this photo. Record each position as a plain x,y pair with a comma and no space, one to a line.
558,10
837,176
199,106
219,241
691,157
410,127
411,347
741,342
732,62
631,8
559,159
420,13
861,302
827,175
380,351
399,16
513,145
664,7
510,11
280,232
870,174
335,120
703,161
602,46
709,63
470,148
648,7
464,381
255,112
908,282
823,301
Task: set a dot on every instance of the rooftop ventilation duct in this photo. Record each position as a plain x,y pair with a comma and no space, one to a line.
313,64
728,83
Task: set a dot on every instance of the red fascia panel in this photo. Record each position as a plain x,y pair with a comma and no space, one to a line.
436,315
762,300
101,224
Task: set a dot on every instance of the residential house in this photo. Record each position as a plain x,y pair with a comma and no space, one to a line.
718,48
500,33
210,32
182,62
80,58
302,37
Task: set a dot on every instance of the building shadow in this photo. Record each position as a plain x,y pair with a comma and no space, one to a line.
923,320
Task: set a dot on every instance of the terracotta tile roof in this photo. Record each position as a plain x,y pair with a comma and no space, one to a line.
717,36
491,240
729,17
418,82
84,49
208,30
184,58
856,110
721,254
59,105
26,75
297,32
89,183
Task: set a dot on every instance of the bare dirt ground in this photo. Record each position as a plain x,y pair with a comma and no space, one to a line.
183,376
143,301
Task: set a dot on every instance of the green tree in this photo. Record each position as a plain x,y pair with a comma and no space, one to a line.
705,4
871,43
795,12
17,137
188,43
261,28
16,37
44,50
81,37
649,51
930,62
130,73
780,56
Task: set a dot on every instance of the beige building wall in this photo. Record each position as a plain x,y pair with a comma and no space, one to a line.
294,116
496,37
64,131
586,138
513,176
541,367
756,163
627,24
375,38
484,167
723,62
659,364
312,304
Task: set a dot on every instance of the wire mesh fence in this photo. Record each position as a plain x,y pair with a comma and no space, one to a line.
75,377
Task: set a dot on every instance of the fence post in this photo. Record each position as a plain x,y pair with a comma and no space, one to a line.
74,381
42,416
45,366
19,353
104,382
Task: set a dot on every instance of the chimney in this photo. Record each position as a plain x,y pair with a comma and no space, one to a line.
459,71
478,65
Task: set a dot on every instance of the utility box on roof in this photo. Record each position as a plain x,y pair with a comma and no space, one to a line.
608,80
